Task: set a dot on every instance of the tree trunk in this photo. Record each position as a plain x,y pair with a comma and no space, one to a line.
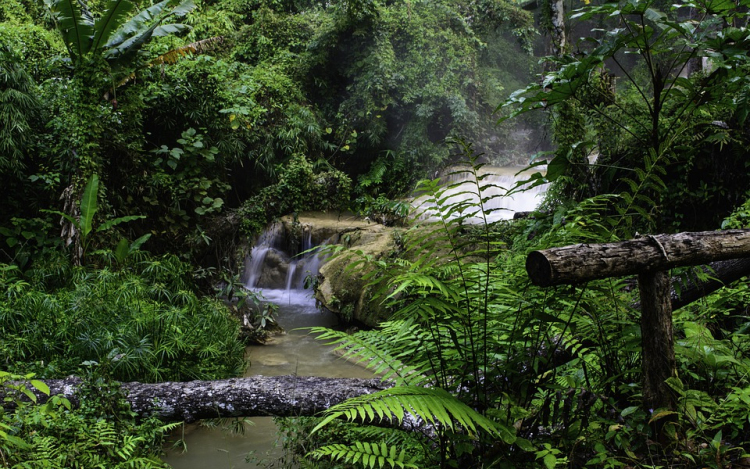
657,354
583,262
557,18
283,396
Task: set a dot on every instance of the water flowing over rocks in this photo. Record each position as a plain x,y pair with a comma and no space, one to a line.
288,255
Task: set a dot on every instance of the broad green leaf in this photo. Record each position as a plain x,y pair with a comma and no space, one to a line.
116,221
115,14
121,251
139,23
75,25
40,386
89,205
557,167
136,245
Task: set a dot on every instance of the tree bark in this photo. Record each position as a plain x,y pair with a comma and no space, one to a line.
557,19
657,336
583,262
282,396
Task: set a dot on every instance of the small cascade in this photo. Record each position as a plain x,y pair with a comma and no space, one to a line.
271,242
307,243
290,275
496,182
283,260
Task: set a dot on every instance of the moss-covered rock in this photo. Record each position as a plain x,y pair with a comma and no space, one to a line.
342,287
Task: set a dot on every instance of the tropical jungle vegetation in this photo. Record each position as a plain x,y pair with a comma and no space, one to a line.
142,143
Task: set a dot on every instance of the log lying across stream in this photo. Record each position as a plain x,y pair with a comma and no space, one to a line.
281,396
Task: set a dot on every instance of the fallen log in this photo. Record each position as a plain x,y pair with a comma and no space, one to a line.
580,263
281,396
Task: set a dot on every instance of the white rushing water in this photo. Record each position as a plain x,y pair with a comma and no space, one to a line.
271,266
496,184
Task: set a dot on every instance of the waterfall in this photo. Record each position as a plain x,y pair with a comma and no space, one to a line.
287,253
291,270
495,182
281,261
271,240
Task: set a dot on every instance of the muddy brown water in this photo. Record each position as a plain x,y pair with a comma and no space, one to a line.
296,352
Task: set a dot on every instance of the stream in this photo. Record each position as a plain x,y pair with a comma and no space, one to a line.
278,270
295,352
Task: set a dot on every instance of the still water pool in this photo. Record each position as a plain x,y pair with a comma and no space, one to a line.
294,353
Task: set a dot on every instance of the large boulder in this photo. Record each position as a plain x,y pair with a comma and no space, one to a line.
342,287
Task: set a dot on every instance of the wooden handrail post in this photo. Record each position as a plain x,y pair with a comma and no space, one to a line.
649,257
657,340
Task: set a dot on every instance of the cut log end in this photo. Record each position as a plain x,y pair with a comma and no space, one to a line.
539,269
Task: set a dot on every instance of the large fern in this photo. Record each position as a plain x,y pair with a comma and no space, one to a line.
434,406
448,342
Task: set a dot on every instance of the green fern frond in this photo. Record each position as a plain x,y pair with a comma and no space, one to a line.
368,455
633,187
433,405
648,201
377,352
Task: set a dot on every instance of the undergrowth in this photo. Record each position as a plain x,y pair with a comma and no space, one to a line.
102,432
145,321
490,371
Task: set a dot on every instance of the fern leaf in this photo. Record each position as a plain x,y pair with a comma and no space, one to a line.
433,405
368,348
365,454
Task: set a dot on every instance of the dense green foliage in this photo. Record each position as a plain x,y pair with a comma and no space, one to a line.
53,435
135,133
142,318
180,127
199,124
558,372
661,101
553,377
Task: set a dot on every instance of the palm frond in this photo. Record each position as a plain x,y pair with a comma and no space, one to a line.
128,38
114,15
75,25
